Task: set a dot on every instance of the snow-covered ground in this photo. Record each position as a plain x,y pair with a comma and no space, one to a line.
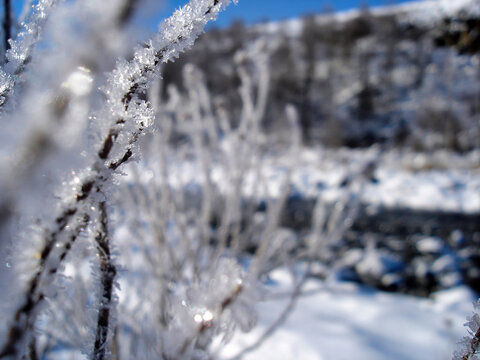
343,321
408,180
335,320
442,181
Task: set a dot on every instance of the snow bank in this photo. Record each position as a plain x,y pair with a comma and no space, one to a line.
338,321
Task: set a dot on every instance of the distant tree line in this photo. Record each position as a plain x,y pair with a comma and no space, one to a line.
370,78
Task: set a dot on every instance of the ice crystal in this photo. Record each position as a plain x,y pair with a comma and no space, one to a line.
468,348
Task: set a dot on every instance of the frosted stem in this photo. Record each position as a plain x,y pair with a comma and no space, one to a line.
24,317
7,24
108,272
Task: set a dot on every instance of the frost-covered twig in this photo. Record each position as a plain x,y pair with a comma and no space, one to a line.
124,118
280,320
208,318
40,141
191,278
108,272
276,207
469,347
129,81
125,115
20,49
245,152
7,24
325,230
23,322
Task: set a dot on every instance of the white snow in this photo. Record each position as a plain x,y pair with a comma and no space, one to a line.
428,11
345,321
402,181
430,245
425,11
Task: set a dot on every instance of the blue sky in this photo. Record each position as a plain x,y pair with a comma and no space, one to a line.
251,11
257,10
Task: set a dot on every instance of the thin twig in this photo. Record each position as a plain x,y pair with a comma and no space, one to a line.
108,272
7,24
103,170
30,35
162,55
281,319
23,319
204,326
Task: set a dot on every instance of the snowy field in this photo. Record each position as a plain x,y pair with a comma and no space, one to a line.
441,181
340,320
343,321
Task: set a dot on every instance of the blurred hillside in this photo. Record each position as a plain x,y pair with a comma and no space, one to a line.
403,75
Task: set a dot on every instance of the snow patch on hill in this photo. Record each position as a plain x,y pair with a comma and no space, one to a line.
424,12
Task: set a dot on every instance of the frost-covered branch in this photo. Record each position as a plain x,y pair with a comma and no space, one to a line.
202,293
23,321
205,322
117,123
108,272
469,347
125,115
319,236
67,104
7,24
18,51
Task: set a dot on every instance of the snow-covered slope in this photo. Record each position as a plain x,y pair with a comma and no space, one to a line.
426,11
342,321
445,182
433,10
